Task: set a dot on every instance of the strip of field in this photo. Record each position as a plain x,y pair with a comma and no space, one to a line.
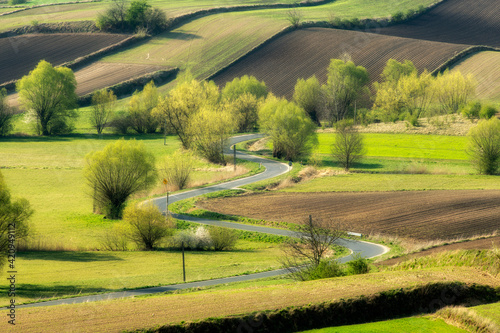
21,54
99,75
424,215
454,21
485,67
161,310
307,52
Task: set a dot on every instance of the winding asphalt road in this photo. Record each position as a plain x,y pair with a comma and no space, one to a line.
273,169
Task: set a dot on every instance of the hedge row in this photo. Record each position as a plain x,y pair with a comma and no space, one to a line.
382,306
461,55
130,86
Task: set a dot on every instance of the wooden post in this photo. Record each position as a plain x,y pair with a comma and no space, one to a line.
183,264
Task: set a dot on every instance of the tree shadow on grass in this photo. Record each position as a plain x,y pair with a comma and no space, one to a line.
364,165
68,256
40,292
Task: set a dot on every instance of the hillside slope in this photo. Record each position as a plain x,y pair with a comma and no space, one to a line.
303,53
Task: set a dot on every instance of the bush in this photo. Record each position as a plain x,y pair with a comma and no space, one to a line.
358,265
487,111
484,146
222,238
121,122
114,239
17,2
148,226
177,168
471,110
198,239
326,269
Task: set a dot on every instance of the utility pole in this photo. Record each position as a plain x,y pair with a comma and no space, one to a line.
234,157
183,264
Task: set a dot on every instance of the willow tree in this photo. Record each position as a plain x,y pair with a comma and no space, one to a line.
118,171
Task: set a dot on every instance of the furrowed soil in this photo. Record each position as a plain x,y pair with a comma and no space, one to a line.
470,22
19,55
307,52
421,215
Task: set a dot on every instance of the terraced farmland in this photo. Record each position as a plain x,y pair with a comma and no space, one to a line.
485,67
305,52
19,55
423,215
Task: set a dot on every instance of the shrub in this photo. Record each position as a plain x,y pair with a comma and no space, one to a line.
198,239
484,146
222,238
398,17
487,111
177,168
148,226
358,265
325,269
471,110
114,239
121,122
17,2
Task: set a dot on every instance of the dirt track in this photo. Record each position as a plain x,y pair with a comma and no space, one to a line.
303,53
424,215
19,55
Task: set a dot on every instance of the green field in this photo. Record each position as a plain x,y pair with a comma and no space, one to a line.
49,173
57,274
409,146
491,311
413,324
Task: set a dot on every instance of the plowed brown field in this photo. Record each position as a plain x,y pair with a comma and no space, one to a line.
421,215
302,53
474,22
101,74
20,54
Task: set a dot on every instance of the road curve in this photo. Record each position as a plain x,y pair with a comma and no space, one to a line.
272,169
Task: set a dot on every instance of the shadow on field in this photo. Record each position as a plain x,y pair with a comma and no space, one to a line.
36,291
70,137
358,165
181,35
69,256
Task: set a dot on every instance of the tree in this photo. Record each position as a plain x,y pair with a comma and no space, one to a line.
307,95
208,131
394,70
291,130
177,168
348,145
184,101
454,90
103,103
311,243
14,217
5,114
346,82
245,109
148,226
484,146
244,85
118,171
49,93
139,14
140,108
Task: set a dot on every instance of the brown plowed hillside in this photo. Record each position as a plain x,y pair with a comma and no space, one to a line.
305,52
101,74
474,22
20,54
423,215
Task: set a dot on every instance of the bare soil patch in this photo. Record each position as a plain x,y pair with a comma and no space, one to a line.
19,55
307,52
421,215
